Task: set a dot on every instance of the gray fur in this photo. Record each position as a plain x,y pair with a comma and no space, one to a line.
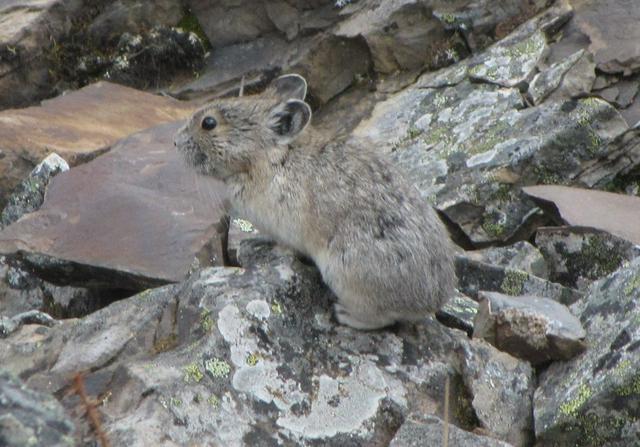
381,249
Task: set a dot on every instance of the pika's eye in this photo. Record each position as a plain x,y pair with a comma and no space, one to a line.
209,123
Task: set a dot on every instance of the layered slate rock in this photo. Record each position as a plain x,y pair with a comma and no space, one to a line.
577,255
30,418
519,256
533,328
77,126
475,276
470,147
243,356
132,218
421,431
592,400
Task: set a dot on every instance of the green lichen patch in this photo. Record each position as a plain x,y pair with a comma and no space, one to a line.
252,359
192,373
597,258
632,286
572,407
218,368
277,308
513,282
206,320
214,401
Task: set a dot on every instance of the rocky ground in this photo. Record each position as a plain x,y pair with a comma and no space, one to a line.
134,312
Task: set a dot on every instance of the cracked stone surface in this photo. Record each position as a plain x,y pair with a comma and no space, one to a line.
592,400
470,147
238,355
529,327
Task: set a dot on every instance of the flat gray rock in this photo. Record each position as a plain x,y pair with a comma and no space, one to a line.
532,328
429,431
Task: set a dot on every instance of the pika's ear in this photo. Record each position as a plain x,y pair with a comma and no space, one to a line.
290,118
291,86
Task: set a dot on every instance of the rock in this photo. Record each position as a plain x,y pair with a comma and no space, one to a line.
132,218
403,35
611,28
244,357
470,147
9,325
134,17
30,193
147,60
30,418
519,256
459,313
225,67
532,328
571,78
512,61
603,211
28,27
77,126
592,400
503,410
474,276
329,63
577,255
421,431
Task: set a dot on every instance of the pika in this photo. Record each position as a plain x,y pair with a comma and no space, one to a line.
379,247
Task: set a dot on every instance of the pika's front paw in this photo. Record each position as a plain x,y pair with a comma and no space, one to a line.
362,321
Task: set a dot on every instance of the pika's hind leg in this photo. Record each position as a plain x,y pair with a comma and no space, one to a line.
361,320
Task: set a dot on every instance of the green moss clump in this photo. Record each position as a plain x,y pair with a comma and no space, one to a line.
513,282
632,285
190,23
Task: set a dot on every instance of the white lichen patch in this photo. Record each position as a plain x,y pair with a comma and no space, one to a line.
259,309
342,405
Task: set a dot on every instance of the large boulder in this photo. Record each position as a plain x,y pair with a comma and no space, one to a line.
252,356
130,219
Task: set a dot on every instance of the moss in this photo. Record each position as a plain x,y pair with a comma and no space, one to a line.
438,135
513,282
448,18
413,132
190,23
630,387
206,320
192,373
546,176
217,368
491,225
572,407
526,47
596,258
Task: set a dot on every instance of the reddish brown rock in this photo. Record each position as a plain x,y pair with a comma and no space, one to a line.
132,218
617,214
77,126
